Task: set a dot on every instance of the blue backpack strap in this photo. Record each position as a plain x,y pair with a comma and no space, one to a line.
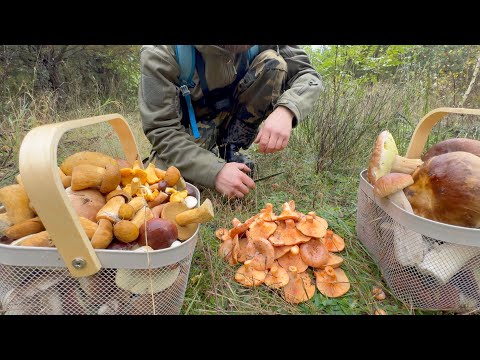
186,60
252,52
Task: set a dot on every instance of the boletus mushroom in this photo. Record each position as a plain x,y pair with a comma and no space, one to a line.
391,183
16,202
385,159
447,189
27,227
103,236
158,233
451,145
86,203
299,287
86,157
332,282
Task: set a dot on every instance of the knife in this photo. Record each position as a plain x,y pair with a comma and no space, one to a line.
268,176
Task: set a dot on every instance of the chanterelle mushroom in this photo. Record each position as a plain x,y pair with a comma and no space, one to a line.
299,288
332,282
260,252
248,276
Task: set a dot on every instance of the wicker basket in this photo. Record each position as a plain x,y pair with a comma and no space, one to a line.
426,264
74,278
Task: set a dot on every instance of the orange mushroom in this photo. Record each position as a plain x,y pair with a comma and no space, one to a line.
333,242
226,250
277,277
260,252
318,218
267,214
332,282
299,288
239,228
275,237
240,249
248,276
262,229
222,234
290,235
281,250
288,213
310,226
293,258
333,260
314,253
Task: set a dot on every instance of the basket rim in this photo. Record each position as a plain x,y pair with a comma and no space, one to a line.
433,229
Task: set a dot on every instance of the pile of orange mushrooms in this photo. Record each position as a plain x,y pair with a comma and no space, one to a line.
279,251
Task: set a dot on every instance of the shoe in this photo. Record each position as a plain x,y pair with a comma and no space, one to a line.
231,153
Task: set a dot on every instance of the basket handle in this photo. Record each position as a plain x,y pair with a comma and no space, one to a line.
41,179
420,135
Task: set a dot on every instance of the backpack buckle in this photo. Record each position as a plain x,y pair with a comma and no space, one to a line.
184,90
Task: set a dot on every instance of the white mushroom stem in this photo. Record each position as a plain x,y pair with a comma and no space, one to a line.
405,165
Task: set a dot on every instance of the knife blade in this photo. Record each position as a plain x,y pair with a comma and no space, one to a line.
268,176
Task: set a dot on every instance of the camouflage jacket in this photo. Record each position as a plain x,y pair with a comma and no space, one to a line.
161,113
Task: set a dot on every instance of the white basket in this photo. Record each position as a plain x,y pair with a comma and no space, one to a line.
74,278
426,264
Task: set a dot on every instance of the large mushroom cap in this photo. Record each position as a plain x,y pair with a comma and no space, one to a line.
447,189
314,253
333,242
391,183
450,145
310,226
333,260
299,288
260,252
277,277
293,258
281,250
170,212
290,235
288,212
111,179
248,276
383,155
262,229
332,282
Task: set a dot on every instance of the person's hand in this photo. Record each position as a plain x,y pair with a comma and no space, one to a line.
233,181
276,130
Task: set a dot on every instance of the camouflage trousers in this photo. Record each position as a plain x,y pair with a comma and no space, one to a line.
253,100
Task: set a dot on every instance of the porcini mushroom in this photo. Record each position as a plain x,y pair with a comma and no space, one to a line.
447,189
16,202
332,282
103,236
248,276
86,157
158,233
172,175
260,252
385,159
90,176
27,227
392,183
333,242
299,287
450,145
293,258
314,253
87,202
110,210
125,231
41,239
277,277
170,211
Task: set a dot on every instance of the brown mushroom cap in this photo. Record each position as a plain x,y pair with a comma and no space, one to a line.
248,276
288,213
391,183
86,157
314,253
293,258
450,145
111,179
333,242
290,235
170,211
332,282
126,231
261,229
310,226
113,193
299,288
260,252
277,277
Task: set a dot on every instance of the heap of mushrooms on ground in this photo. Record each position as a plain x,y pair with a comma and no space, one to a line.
278,251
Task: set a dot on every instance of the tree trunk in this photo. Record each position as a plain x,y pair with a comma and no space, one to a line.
472,82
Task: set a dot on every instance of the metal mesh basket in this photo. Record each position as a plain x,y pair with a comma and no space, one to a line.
73,278
426,264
